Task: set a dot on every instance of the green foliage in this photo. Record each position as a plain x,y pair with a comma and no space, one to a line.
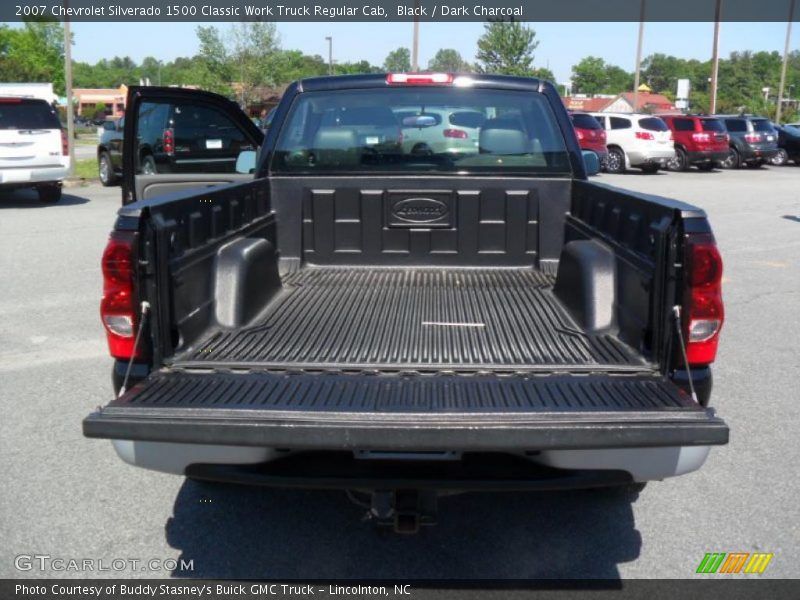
506,47
592,75
398,61
448,60
33,53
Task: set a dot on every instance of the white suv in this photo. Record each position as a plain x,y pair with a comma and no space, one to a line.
636,140
33,147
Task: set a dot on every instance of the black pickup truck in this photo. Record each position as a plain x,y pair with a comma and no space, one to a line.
327,306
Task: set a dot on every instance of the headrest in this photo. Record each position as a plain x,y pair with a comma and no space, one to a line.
336,146
503,136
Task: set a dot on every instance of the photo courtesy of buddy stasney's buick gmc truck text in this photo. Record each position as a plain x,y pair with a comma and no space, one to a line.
406,286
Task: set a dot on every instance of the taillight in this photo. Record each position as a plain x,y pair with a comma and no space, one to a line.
118,306
458,134
602,134
579,134
704,310
701,137
752,138
64,143
169,141
419,78
644,135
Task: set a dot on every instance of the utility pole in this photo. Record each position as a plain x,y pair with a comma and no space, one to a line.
330,54
779,110
712,109
415,42
68,94
638,59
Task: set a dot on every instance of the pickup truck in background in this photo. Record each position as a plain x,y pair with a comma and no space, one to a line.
326,306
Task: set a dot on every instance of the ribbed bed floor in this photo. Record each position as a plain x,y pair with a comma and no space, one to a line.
477,319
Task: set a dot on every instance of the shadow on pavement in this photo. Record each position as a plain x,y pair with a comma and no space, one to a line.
29,198
249,532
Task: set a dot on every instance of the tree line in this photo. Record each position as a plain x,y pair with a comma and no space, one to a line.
247,58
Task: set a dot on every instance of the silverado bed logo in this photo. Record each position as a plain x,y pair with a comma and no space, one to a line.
420,210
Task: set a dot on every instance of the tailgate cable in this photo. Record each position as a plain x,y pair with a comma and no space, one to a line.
676,310
144,311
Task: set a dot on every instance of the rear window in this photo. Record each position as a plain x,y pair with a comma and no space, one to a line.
713,125
737,125
683,124
585,122
620,123
467,118
762,126
356,131
653,124
28,114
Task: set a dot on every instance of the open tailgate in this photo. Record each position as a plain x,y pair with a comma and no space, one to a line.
397,412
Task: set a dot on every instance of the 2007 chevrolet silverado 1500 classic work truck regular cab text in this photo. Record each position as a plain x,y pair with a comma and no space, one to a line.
356,301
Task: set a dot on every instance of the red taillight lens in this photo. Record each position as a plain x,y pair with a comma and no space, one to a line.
169,141
705,311
64,143
752,138
644,135
419,78
459,134
118,306
579,134
602,134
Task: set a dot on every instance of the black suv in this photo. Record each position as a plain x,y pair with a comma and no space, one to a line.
109,152
753,141
175,138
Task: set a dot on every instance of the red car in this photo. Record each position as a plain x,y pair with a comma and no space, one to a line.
591,135
699,140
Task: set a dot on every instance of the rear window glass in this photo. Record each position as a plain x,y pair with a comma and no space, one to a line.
585,122
713,125
367,130
737,125
653,124
28,114
683,124
762,125
471,119
620,123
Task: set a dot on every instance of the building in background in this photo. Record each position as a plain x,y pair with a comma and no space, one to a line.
112,99
648,102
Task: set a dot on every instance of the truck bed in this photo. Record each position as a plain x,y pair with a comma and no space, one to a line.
414,319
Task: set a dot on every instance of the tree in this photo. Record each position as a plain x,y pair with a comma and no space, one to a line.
544,74
593,76
398,61
33,53
212,70
448,60
506,47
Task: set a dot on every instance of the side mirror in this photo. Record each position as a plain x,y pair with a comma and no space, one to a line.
246,161
591,162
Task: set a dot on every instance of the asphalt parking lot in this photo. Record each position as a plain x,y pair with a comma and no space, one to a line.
69,497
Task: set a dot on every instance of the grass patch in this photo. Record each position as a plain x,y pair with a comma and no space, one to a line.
86,168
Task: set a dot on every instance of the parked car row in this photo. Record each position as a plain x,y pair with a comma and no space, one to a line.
678,142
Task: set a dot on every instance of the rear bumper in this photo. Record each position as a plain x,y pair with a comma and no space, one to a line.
649,157
706,156
755,153
20,177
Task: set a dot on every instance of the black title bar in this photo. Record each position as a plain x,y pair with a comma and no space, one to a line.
396,10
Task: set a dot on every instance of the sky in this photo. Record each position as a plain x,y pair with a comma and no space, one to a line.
561,45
